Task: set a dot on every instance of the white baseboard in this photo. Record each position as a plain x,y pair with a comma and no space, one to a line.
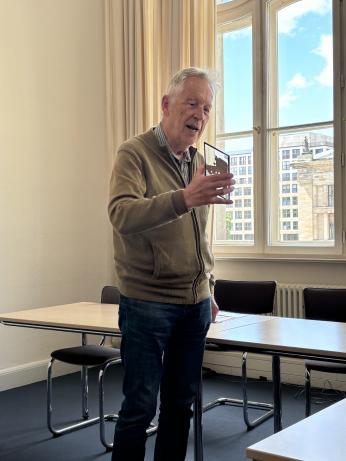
29,373
292,370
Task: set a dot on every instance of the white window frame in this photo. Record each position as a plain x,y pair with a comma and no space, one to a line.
261,12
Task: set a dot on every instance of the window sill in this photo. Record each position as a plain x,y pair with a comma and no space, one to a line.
281,258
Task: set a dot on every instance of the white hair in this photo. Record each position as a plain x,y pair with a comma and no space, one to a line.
206,74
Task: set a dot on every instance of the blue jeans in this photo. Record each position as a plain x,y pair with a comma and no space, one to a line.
162,347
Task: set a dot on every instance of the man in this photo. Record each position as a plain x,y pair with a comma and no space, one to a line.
159,199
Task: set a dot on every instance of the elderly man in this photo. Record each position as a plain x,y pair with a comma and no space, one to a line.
159,199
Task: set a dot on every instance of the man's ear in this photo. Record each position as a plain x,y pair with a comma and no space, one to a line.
165,103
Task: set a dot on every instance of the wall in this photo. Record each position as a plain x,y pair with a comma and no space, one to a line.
54,168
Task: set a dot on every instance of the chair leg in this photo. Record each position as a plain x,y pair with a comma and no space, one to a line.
307,391
63,430
258,405
85,391
244,403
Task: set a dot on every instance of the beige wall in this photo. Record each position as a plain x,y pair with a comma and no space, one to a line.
54,167
311,273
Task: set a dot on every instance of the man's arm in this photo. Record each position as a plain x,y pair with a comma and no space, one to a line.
129,210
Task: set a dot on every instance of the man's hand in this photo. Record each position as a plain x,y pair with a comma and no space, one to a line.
205,190
214,309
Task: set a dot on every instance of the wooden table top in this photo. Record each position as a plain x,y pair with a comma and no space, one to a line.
289,335
248,331
320,437
104,318
84,315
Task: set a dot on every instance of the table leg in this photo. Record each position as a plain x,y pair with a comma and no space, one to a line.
277,393
197,425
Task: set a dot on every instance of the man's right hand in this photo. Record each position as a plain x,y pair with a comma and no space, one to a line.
206,190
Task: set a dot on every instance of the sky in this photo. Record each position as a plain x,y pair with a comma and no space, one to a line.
305,68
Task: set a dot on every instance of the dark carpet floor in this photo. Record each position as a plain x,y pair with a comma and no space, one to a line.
24,434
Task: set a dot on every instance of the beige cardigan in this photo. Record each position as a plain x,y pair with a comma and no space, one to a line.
161,249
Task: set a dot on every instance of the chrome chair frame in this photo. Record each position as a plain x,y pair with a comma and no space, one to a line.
110,295
245,403
85,411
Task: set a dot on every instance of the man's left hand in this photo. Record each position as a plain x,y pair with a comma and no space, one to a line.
214,309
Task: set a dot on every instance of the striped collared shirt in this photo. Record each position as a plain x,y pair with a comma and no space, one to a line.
182,163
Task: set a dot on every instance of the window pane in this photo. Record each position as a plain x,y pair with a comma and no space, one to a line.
234,223
218,2
305,63
234,100
310,195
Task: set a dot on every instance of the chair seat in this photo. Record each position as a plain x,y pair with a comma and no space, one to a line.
329,367
87,355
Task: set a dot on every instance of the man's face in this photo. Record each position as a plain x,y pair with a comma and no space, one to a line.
186,112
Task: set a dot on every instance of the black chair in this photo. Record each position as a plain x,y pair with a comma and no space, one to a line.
323,304
87,356
249,298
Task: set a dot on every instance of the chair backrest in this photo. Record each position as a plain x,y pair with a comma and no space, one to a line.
325,304
110,295
245,296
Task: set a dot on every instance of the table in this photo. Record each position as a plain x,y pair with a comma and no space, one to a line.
102,319
275,336
280,336
317,438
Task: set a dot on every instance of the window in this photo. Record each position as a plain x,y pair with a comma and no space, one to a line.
287,131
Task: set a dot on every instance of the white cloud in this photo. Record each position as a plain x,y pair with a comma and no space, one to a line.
325,50
286,99
288,17
297,81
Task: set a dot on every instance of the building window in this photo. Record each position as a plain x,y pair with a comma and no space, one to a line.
280,116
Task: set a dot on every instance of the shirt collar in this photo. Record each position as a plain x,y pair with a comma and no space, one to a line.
158,130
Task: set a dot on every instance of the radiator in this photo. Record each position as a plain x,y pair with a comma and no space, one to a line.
289,300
